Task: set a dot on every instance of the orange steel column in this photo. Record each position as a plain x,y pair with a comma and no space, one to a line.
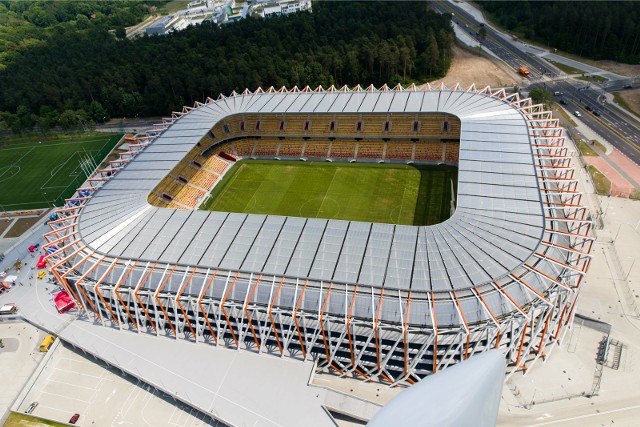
348,326
324,336
466,326
206,318
166,315
295,319
246,312
273,322
115,291
224,312
113,264
377,336
184,313
405,334
135,294
435,331
492,316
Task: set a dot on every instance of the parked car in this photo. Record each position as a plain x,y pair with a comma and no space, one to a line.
577,114
31,407
74,419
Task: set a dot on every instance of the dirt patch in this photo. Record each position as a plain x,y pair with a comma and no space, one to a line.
629,70
4,223
467,68
22,225
632,98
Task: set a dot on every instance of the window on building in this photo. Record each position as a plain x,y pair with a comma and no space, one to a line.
258,125
387,126
445,126
332,126
359,126
225,127
281,124
242,126
306,126
416,126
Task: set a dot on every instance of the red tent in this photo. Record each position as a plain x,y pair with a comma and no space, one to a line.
63,302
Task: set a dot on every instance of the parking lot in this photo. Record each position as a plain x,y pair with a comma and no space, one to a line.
20,356
71,383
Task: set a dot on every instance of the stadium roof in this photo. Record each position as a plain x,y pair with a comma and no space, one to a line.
497,226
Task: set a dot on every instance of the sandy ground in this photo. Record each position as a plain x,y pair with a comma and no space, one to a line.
632,97
628,70
468,68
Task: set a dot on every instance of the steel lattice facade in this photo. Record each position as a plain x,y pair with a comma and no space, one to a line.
395,333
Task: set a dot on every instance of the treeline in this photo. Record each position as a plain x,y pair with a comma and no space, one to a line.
25,24
593,29
90,75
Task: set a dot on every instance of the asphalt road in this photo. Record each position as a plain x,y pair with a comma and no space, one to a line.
618,129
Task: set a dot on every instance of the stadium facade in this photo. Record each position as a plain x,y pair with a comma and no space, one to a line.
377,301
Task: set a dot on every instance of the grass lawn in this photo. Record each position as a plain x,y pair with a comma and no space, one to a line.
593,78
568,68
36,172
585,149
385,193
16,419
603,185
618,99
566,116
599,145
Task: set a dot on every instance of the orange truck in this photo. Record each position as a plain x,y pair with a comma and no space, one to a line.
523,71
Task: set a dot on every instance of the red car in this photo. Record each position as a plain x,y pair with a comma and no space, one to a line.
41,262
74,419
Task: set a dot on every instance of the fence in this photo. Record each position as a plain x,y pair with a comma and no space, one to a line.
81,178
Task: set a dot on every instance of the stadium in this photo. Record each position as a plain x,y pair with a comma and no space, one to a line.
386,299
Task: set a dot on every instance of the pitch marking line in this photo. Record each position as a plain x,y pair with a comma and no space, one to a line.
7,169
60,166
47,144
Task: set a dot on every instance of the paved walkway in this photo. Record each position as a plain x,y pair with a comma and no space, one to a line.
620,187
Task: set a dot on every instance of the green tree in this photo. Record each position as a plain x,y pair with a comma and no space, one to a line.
541,96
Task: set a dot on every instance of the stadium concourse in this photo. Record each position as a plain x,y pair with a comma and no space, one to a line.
382,302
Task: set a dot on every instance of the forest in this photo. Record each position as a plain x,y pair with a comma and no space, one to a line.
593,29
90,74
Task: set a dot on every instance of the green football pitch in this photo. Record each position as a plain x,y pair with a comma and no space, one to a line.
385,193
36,174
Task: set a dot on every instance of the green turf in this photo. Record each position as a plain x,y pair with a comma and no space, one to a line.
386,193
36,174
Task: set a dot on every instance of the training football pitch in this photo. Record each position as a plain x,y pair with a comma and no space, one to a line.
38,172
385,193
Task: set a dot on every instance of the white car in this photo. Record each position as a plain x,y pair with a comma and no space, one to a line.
577,114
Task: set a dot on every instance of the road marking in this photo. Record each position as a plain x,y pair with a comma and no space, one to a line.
76,372
581,417
58,395
70,384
